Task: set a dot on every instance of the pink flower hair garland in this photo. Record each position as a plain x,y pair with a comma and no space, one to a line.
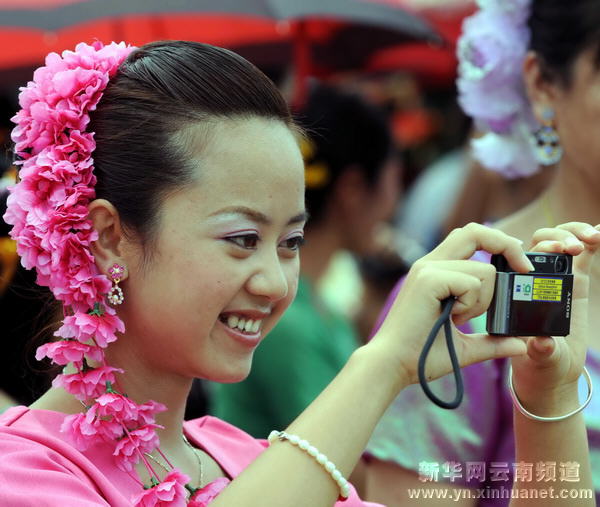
491,52
48,209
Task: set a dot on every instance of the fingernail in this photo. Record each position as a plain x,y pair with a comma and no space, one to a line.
531,267
591,231
574,241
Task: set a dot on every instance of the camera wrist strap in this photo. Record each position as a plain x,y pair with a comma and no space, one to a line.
443,319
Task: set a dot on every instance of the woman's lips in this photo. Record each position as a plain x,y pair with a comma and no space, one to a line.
246,339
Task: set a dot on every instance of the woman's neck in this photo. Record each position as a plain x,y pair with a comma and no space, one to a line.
571,196
139,383
142,382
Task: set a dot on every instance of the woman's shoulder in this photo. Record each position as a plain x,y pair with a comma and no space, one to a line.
21,419
32,438
24,430
209,424
37,453
231,447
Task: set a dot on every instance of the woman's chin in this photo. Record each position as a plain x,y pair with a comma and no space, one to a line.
232,374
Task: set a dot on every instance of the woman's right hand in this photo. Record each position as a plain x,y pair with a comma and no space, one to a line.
447,272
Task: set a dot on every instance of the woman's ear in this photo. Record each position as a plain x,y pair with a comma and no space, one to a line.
540,91
110,247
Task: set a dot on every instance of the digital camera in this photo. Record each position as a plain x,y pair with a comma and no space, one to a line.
534,304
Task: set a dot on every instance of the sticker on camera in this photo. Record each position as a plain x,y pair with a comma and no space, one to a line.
537,288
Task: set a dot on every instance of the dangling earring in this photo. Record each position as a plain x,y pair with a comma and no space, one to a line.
115,295
546,142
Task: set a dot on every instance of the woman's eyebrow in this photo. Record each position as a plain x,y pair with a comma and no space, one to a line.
299,218
258,216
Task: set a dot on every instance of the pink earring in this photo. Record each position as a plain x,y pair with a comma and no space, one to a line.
115,295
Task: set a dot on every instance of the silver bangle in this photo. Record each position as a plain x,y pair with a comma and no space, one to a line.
319,457
529,415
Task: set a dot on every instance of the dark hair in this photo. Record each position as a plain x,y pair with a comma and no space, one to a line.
345,131
560,31
159,90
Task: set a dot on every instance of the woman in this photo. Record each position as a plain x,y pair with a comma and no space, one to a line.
560,66
351,187
196,206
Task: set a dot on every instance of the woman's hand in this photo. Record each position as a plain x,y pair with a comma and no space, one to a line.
547,375
443,273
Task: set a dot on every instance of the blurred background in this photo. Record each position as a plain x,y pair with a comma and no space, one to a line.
397,56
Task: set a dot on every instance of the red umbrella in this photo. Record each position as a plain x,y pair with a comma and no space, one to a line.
434,65
325,34
36,27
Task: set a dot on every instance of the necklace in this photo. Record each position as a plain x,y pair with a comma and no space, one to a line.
198,457
167,469
196,454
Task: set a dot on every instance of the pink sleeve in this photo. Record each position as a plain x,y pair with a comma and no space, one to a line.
34,475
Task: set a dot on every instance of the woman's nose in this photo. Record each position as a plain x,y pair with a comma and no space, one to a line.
270,280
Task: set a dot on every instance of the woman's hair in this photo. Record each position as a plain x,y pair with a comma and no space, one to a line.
142,151
560,31
343,131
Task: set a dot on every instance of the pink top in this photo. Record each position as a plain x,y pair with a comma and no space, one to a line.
39,467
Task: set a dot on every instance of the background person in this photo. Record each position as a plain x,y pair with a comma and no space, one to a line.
561,72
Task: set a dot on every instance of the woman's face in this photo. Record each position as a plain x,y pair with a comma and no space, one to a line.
578,116
226,255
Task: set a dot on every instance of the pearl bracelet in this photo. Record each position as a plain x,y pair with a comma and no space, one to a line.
331,469
519,406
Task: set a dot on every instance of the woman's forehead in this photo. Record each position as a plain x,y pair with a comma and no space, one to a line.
252,162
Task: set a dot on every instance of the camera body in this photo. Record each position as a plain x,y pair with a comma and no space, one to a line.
534,304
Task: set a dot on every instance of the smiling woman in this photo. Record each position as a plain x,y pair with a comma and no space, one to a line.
222,235
174,250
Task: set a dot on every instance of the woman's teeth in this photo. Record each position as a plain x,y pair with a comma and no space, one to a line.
245,325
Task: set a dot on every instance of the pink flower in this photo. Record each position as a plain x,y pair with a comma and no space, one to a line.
69,223
75,278
31,252
490,80
48,209
57,170
148,410
86,430
505,154
129,449
170,492
68,169
75,148
491,51
77,82
89,384
66,351
116,405
202,497
85,328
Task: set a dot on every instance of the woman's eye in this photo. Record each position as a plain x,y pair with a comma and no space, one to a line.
247,241
293,243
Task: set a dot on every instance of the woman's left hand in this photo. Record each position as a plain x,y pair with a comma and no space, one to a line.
552,366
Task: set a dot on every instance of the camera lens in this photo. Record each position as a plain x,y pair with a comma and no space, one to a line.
559,265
